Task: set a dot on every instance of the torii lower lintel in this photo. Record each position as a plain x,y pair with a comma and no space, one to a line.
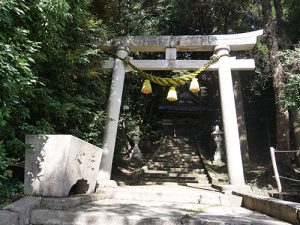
235,64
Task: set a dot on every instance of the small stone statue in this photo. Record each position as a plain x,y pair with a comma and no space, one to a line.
136,152
218,140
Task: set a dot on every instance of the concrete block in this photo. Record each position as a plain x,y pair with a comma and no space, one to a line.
284,210
23,208
8,218
57,162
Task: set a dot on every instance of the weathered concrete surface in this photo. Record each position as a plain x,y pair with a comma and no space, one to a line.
69,202
237,42
23,208
123,212
57,162
285,210
8,218
175,194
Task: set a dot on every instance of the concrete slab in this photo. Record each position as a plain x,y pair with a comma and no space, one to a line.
23,208
57,162
123,212
174,193
9,218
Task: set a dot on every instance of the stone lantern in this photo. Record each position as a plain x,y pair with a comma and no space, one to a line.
217,135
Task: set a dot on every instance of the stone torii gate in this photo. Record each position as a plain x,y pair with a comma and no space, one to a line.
221,45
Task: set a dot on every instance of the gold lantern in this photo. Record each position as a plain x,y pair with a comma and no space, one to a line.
194,86
172,95
146,89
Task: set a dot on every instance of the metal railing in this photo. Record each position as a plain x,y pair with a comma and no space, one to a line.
275,169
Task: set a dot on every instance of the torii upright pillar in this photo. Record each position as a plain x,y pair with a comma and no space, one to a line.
113,113
231,132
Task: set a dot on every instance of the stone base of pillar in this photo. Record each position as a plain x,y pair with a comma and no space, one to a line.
106,184
217,158
136,154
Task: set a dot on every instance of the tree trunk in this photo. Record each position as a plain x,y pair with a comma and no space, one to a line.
282,115
240,116
295,117
296,127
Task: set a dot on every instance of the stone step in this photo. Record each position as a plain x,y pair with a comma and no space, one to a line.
178,156
174,179
182,169
162,182
156,171
159,180
161,173
177,165
177,152
164,160
204,185
177,169
177,159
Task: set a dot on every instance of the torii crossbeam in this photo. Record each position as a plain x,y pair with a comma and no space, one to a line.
219,44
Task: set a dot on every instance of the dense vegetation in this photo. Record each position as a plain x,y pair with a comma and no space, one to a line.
50,76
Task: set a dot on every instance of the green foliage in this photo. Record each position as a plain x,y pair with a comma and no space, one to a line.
94,131
290,97
291,16
16,56
10,191
5,173
212,17
133,17
49,78
17,81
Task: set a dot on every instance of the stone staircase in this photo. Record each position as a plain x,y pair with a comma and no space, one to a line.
176,162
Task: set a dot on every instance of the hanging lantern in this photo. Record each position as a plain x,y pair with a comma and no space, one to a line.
146,89
172,95
194,86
